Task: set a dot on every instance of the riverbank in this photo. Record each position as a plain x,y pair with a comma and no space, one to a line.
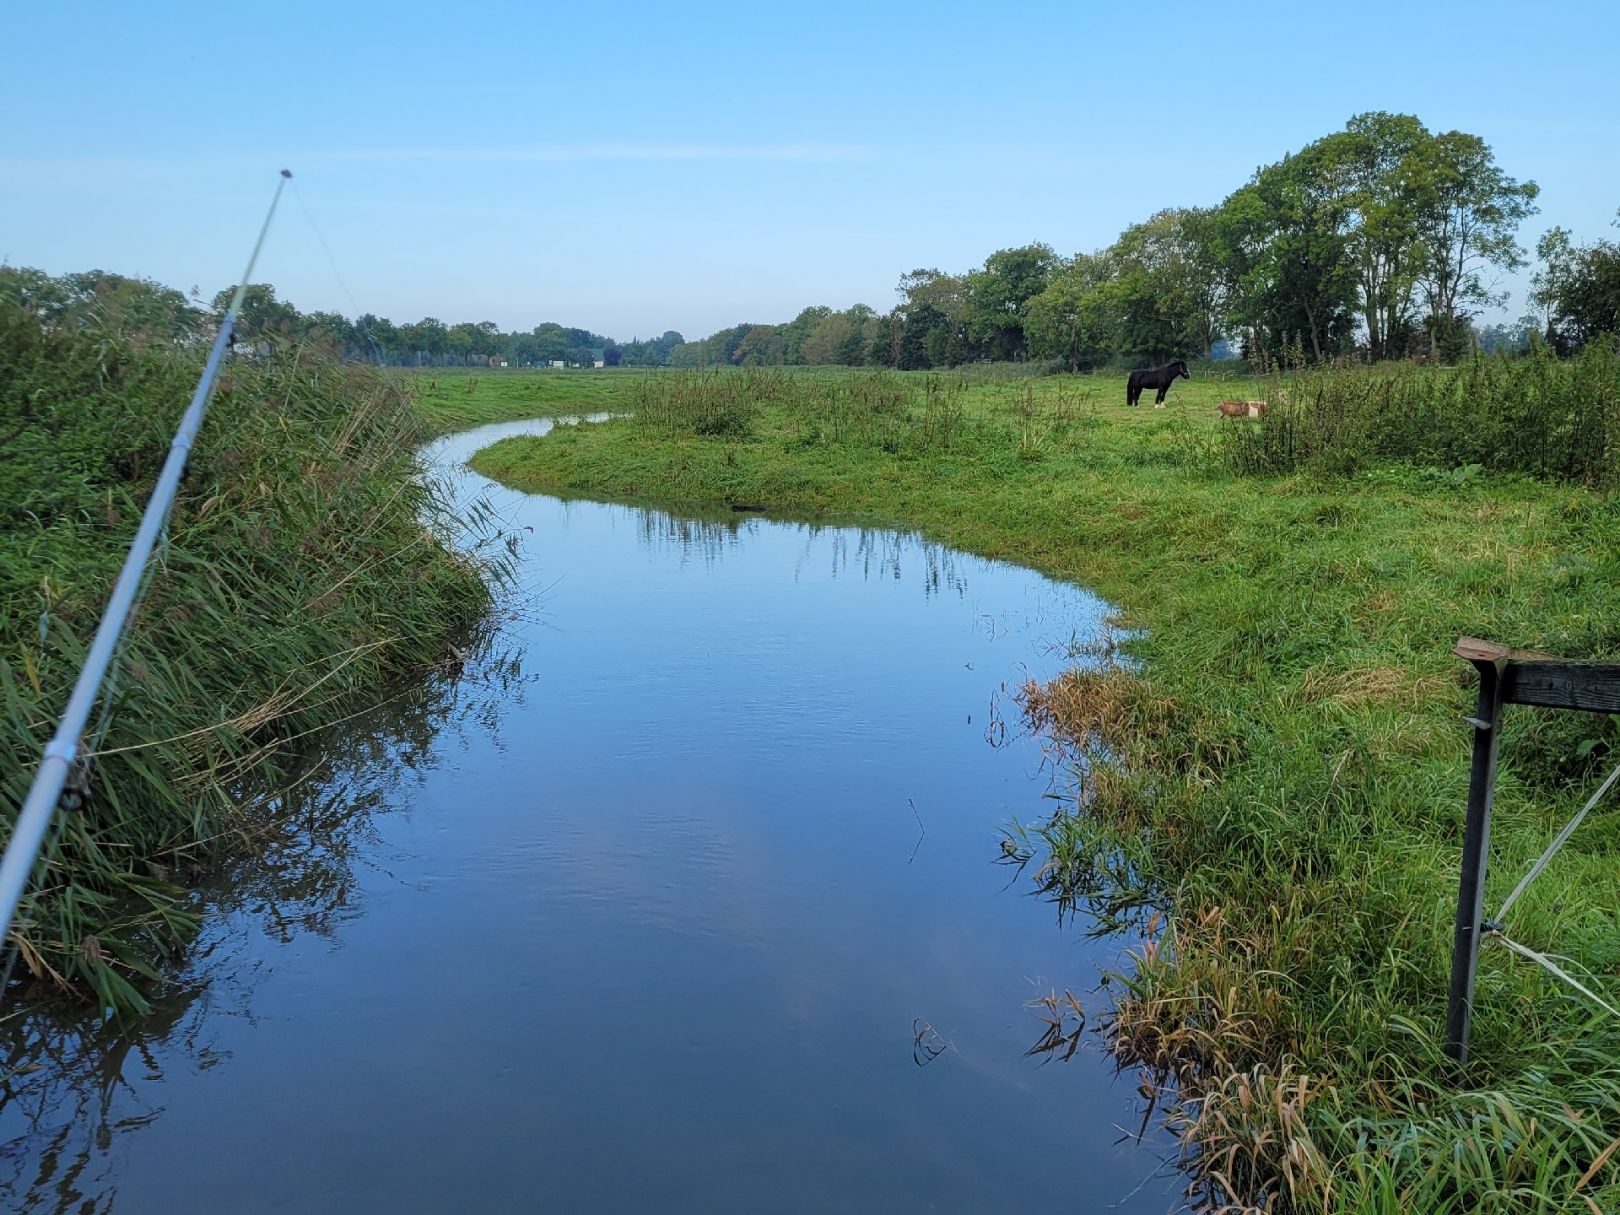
1285,769
307,567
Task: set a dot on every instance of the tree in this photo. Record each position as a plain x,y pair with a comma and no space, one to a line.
1371,166
1284,259
796,330
1075,318
377,336
134,307
262,318
824,344
1508,339
1578,286
932,333
883,340
1469,213
334,331
760,346
427,339
997,296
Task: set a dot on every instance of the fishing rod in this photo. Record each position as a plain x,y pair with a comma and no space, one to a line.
45,795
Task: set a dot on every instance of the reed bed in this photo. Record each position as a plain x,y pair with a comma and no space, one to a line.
1538,415
307,563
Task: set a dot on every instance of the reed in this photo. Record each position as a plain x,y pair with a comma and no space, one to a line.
307,563
1545,417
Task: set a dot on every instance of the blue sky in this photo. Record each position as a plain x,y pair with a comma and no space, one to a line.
640,167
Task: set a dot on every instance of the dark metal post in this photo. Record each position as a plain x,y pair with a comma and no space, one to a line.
1486,721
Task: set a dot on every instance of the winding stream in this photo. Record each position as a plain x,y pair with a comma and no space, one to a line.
681,896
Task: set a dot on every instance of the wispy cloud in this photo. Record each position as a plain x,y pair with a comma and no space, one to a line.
787,153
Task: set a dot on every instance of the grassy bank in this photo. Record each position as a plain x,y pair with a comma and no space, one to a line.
306,567
1284,771
454,399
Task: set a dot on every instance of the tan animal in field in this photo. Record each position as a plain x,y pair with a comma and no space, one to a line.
1242,409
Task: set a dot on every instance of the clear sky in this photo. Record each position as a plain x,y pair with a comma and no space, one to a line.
636,167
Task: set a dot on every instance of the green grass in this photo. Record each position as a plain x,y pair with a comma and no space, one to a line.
1284,771
457,399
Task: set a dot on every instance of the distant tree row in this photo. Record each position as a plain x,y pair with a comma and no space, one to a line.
150,311
1381,240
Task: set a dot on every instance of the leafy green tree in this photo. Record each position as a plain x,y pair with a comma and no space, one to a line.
1076,318
1371,166
761,346
998,294
1279,243
262,319
425,341
334,331
824,343
883,340
1578,286
134,307
377,337
796,330
1468,217
931,320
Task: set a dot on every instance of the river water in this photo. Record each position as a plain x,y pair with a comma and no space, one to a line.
681,895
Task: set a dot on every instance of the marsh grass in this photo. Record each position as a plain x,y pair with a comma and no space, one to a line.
1276,764
1537,415
307,564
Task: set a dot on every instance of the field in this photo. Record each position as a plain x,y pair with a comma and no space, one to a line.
1271,797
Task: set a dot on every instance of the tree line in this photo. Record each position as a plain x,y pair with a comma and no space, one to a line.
1382,240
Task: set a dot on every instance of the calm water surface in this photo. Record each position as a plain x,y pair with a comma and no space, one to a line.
644,911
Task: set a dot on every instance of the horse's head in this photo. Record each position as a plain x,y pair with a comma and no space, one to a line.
1181,371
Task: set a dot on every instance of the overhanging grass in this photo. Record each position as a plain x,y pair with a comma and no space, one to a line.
306,565
1287,771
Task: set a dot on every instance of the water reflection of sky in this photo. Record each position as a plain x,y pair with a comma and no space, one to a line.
635,914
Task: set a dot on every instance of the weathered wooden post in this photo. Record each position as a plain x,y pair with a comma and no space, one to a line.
1489,661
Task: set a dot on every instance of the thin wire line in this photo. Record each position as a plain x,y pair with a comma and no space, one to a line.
1552,848
1544,961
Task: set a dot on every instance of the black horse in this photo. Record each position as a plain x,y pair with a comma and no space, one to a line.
1160,378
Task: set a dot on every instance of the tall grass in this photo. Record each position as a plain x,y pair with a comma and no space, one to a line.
305,565
1539,415
864,408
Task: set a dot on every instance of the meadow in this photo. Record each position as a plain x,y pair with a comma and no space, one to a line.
1268,779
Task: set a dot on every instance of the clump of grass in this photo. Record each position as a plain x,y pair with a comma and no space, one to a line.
1268,1059
709,404
307,563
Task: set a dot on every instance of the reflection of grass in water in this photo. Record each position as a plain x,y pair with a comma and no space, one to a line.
68,1083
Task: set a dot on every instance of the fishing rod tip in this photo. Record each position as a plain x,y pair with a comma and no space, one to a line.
286,173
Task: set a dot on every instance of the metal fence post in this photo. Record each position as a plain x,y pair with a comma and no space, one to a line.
1487,722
